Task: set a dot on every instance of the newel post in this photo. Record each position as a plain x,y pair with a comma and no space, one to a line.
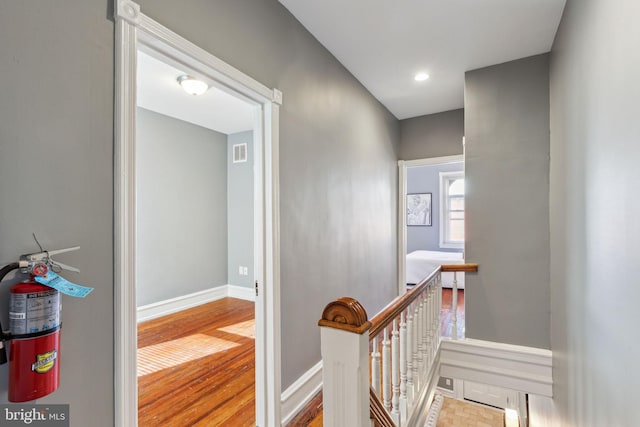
345,364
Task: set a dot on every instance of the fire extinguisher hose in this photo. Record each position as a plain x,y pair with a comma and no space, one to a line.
3,337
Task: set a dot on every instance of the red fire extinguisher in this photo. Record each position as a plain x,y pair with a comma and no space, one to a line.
34,364
34,317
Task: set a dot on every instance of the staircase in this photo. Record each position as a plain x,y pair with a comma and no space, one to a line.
384,372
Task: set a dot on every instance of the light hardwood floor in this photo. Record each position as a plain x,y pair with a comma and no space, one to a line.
196,367
456,413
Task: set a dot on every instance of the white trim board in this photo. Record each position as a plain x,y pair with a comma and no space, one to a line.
241,292
433,161
300,393
184,302
515,367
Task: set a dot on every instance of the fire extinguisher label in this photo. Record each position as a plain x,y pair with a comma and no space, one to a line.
44,362
34,312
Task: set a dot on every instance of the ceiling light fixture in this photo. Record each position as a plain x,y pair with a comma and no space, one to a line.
420,77
192,86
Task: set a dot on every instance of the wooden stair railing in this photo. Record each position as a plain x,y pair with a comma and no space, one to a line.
403,343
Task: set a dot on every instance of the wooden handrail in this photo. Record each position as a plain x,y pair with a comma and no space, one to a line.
377,412
465,268
396,306
393,310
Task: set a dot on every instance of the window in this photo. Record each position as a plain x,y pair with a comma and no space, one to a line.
451,209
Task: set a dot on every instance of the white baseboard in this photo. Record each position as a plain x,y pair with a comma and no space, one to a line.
241,292
298,394
515,367
183,302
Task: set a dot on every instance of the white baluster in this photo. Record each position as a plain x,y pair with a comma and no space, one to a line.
403,367
425,344
375,366
435,316
420,327
410,340
439,309
454,307
386,372
428,332
437,302
395,372
416,347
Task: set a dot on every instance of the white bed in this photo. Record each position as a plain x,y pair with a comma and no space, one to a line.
422,263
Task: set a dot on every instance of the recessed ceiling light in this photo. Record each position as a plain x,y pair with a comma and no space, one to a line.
192,86
420,77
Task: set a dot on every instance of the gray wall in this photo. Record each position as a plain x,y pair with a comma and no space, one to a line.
433,135
181,229
507,202
240,211
426,179
595,244
339,149
338,170
56,177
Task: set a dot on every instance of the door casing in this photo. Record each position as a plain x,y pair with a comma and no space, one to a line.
135,30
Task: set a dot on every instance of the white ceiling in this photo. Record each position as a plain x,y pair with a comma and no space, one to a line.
383,43
159,91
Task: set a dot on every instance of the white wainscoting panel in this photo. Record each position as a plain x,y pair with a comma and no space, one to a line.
515,367
298,394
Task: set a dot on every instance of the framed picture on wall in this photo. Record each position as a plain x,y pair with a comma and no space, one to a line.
419,209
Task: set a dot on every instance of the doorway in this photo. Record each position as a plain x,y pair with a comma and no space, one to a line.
134,32
431,217
431,231
195,244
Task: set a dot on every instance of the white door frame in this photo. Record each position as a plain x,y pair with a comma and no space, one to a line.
133,30
402,209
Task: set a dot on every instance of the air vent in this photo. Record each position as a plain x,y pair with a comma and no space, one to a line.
239,153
